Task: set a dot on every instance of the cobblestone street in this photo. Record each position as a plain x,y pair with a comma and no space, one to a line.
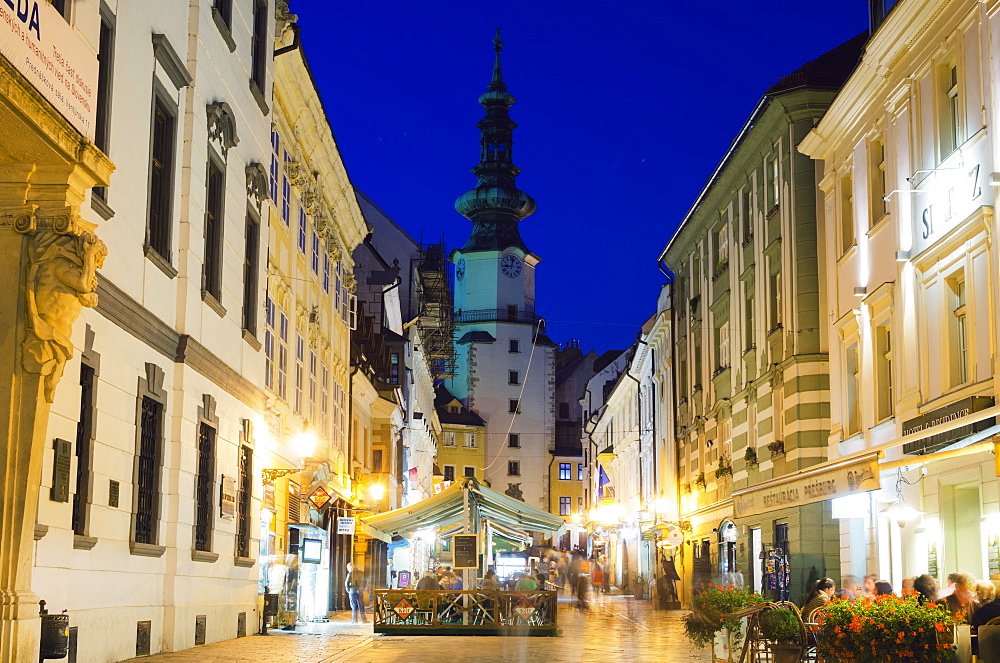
616,628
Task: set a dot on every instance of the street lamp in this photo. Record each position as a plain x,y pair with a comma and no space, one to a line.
304,445
901,512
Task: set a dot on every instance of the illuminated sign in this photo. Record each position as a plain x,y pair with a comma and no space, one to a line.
948,194
312,551
817,484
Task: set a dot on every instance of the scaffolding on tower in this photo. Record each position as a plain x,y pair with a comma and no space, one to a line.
436,322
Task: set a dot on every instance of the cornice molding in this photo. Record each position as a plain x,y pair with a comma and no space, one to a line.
115,305
169,60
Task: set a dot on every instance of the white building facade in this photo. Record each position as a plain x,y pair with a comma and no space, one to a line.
908,160
147,524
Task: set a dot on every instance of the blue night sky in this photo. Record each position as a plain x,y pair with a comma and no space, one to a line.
624,109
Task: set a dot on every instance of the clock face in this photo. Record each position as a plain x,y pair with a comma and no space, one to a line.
510,265
460,269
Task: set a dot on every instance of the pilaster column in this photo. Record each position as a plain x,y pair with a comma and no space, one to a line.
48,262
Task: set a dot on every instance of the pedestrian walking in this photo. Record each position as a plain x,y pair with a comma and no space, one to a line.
582,582
354,584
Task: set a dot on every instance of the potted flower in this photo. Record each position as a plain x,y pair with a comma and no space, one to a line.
886,629
706,620
783,629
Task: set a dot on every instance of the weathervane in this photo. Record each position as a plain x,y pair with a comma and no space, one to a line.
497,42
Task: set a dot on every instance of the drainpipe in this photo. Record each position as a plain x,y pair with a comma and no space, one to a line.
350,424
638,400
669,274
673,373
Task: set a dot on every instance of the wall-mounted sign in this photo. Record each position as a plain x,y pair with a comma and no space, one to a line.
53,57
815,484
466,551
319,498
61,464
346,525
953,412
268,500
948,194
227,497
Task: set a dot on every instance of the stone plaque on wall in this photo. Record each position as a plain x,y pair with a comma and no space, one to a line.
61,464
227,497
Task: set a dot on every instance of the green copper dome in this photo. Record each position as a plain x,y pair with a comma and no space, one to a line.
496,204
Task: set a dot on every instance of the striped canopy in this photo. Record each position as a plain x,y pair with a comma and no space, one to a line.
448,509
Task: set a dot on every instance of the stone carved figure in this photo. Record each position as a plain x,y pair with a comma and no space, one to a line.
61,280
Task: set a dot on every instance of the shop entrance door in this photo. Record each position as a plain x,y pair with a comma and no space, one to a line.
961,512
756,558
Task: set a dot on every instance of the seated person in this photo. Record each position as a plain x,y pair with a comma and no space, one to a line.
525,584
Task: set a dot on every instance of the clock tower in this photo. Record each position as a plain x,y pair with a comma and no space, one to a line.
505,363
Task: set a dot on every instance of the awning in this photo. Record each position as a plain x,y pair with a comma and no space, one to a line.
447,508
509,533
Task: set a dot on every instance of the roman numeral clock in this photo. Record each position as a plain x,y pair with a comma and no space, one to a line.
510,265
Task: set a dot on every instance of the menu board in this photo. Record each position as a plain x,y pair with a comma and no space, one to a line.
466,551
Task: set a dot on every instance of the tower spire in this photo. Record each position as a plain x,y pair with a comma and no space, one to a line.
497,82
495,205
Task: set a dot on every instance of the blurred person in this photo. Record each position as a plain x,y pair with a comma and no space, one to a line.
848,588
989,606
606,567
907,588
869,584
883,588
353,584
926,588
525,584
598,575
583,583
428,582
962,601
490,581
456,582
949,585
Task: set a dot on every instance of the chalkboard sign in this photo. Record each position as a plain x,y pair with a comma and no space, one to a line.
466,551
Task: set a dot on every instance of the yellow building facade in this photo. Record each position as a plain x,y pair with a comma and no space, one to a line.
315,419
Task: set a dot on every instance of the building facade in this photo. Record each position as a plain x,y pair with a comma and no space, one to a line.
750,347
150,490
907,161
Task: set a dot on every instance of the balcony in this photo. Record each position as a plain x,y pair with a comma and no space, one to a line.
500,315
